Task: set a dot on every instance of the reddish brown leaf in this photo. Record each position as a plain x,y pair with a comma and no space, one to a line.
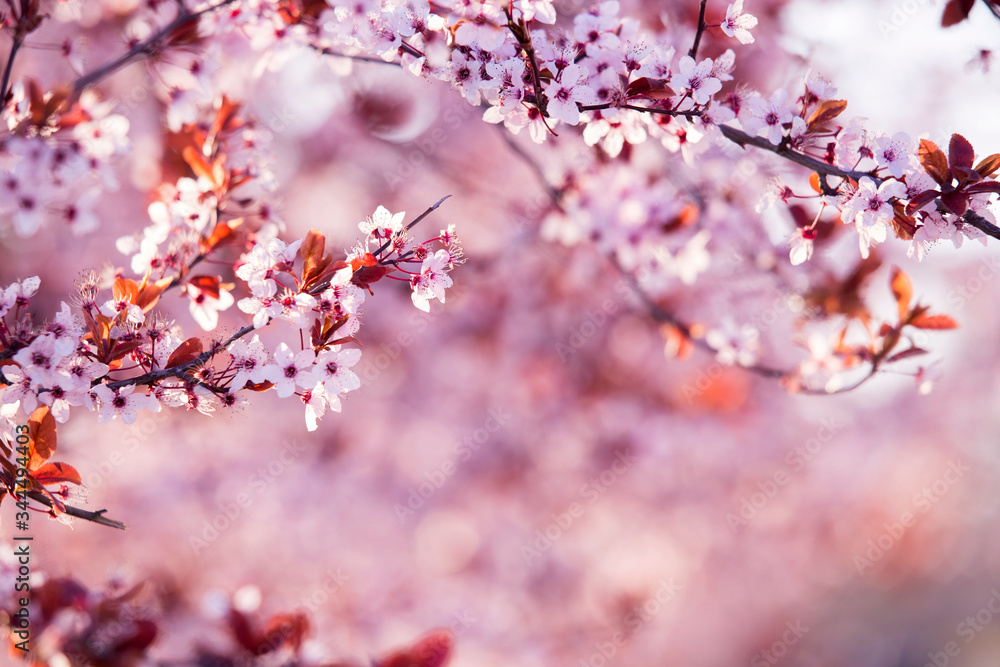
311,250
960,153
149,295
934,161
125,289
902,291
258,386
906,354
186,352
956,202
988,165
283,630
956,11
366,275
825,112
207,284
42,437
54,473
431,650
222,231
934,322
917,202
983,186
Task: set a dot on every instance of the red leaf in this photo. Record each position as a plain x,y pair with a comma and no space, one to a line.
826,111
906,354
933,322
902,291
917,202
960,153
934,161
956,202
54,473
41,437
431,650
988,164
186,352
956,11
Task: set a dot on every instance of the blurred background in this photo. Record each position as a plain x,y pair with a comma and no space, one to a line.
524,464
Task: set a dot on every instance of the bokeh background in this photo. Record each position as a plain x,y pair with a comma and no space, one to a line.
537,501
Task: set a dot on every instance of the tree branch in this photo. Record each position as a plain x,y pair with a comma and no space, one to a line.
91,78
980,223
701,29
95,517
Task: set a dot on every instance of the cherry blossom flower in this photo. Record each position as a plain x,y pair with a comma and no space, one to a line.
333,369
263,309
697,79
64,392
122,403
432,281
737,24
564,95
771,114
801,241
290,370
123,311
894,153
205,306
249,360
317,400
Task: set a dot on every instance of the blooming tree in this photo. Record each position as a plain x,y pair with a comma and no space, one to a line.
635,125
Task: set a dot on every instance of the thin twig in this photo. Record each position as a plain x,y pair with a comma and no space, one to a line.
90,79
701,29
14,47
95,517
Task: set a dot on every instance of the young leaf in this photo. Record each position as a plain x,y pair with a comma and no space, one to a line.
902,291
42,437
312,249
956,11
988,165
186,352
55,473
933,322
934,161
826,111
431,650
960,153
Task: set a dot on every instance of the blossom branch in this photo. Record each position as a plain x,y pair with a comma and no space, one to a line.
701,29
980,223
95,517
145,47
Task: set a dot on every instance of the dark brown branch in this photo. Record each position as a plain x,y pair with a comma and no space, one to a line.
633,107
14,47
980,223
178,371
820,167
95,517
701,29
145,47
